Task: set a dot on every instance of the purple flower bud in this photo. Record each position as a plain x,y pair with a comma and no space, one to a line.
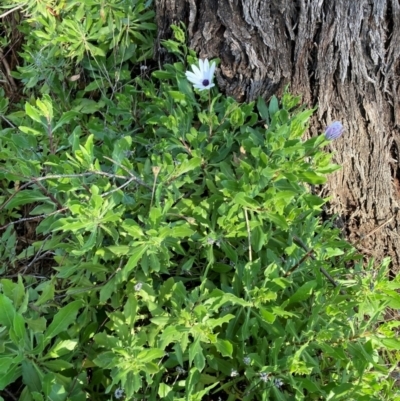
334,131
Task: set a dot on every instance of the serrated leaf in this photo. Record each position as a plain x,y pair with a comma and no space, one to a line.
33,113
196,354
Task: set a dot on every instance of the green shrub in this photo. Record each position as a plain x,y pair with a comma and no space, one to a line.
178,251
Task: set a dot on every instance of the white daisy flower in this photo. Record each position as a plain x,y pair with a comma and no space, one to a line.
202,76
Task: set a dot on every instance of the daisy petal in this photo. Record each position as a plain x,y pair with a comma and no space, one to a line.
211,72
196,70
206,66
193,77
201,66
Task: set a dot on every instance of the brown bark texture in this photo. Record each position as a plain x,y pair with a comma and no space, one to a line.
341,55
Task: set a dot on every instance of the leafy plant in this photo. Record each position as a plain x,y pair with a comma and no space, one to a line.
163,243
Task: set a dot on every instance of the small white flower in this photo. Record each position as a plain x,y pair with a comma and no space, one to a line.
119,392
180,370
234,373
210,241
247,360
278,383
202,76
264,376
138,286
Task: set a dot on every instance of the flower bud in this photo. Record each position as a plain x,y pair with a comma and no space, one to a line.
334,131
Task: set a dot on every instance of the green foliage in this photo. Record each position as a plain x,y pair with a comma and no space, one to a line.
83,41
173,247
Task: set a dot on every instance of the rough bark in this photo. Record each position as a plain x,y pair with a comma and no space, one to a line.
342,55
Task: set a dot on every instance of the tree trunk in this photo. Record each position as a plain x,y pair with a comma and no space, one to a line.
341,55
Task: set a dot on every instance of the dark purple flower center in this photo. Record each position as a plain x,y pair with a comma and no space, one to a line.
206,82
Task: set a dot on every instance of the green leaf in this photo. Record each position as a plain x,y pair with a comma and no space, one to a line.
10,376
61,348
263,109
29,131
37,325
132,228
31,376
47,294
57,365
5,363
151,354
24,197
391,343
242,199
119,250
107,290
163,391
196,354
278,220
329,169
267,316
33,113
311,177
192,381
7,311
65,119
273,105
63,319
342,390
19,327
130,309
162,75
181,231
224,347
187,165
132,262
303,292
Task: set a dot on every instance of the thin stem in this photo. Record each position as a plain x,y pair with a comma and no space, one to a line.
156,171
248,234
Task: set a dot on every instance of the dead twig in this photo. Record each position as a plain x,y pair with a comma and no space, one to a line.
7,69
42,216
310,253
12,10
